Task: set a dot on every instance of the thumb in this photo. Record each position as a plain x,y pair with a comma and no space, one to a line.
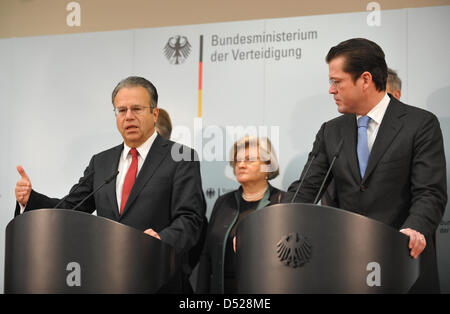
22,173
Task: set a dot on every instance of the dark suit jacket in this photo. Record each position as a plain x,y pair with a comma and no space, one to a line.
404,185
167,195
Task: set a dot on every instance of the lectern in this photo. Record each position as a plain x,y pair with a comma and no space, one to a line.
64,251
304,248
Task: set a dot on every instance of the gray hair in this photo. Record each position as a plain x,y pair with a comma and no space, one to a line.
393,81
256,144
134,81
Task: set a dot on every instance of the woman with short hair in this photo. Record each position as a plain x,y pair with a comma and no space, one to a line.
254,163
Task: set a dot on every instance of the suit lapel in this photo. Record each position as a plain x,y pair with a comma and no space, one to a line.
111,188
155,156
349,149
389,128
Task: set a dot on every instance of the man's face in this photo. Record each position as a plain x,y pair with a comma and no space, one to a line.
136,123
347,93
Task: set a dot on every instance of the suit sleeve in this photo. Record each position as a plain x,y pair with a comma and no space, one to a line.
329,198
205,263
188,207
428,179
77,193
37,201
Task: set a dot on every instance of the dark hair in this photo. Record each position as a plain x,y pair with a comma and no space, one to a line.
133,81
164,124
361,55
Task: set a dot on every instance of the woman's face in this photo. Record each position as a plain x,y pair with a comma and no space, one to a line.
248,169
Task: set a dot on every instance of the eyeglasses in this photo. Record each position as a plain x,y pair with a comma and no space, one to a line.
246,161
136,110
334,83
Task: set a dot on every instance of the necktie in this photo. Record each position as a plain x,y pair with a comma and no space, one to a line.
129,178
363,147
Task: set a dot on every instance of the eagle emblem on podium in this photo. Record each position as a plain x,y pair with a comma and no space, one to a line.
177,49
294,250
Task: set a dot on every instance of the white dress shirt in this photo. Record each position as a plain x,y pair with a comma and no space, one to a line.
125,162
376,116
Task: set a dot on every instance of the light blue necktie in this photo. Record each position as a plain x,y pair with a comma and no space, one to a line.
363,147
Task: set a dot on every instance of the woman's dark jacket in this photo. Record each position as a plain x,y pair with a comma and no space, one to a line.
223,217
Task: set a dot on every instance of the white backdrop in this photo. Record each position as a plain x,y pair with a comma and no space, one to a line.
57,111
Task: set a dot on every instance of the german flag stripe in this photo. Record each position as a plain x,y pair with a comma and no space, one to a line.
200,78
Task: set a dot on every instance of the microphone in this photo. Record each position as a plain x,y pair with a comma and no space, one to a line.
314,153
336,155
106,181
76,188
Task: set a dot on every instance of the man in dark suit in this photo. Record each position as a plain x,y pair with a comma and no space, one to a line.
391,166
156,190
393,87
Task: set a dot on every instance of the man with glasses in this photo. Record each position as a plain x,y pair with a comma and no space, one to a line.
393,87
153,192
391,166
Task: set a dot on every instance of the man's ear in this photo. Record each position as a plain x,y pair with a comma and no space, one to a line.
156,113
397,94
367,79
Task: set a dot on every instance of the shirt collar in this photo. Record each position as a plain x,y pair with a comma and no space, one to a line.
377,112
142,150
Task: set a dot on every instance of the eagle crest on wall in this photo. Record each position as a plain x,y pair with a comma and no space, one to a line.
177,49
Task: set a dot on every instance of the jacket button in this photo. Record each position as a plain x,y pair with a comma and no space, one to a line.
362,188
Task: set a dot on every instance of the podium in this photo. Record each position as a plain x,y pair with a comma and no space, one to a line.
304,248
64,251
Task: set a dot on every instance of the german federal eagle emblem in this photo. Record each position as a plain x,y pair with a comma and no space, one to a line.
177,49
294,250
210,192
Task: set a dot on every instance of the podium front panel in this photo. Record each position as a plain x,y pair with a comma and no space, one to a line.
304,248
63,251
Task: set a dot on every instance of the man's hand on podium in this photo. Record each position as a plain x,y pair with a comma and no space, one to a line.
23,187
417,242
152,233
